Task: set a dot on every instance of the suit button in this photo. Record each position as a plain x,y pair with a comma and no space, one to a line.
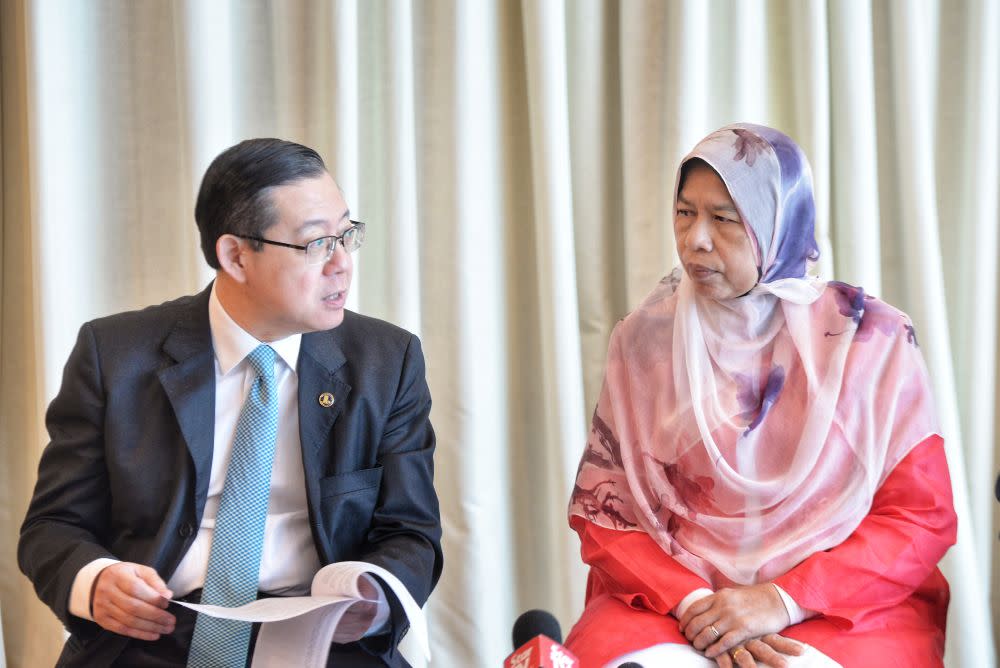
186,530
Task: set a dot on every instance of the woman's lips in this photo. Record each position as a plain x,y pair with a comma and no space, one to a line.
700,272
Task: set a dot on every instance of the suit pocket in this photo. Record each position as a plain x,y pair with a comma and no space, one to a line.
347,505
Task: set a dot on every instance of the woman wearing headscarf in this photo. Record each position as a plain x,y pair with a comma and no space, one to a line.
764,481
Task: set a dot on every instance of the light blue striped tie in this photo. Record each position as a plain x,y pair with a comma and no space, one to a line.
234,561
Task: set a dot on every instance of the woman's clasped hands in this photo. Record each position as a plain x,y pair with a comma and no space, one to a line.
739,626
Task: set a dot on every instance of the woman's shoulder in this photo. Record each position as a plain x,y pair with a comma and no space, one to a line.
872,315
656,310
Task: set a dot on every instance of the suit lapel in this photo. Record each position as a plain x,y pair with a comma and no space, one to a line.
190,387
320,358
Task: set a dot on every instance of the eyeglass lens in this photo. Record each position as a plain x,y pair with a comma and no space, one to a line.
320,250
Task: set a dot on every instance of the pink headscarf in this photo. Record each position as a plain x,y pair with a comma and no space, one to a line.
745,435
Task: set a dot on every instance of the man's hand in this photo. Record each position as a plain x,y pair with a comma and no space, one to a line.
131,600
359,616
732,616
770,650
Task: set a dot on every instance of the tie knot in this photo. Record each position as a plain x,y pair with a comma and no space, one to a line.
261,359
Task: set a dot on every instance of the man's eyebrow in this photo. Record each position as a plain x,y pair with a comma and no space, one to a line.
309,224
322,221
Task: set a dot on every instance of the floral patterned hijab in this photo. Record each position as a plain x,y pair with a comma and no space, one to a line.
746,434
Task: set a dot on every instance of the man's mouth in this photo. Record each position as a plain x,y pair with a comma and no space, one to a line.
336,297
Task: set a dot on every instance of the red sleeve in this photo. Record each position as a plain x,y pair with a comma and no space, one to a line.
910,526
633,568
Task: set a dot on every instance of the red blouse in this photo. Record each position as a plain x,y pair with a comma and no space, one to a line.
881,598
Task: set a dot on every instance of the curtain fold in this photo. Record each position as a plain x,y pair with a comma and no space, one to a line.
854,211
563,416
514,163
29,630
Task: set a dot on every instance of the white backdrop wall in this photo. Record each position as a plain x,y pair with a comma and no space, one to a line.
514,163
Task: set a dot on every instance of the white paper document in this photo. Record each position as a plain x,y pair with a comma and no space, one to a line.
298,630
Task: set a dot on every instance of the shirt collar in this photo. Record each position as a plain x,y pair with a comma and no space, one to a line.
232,343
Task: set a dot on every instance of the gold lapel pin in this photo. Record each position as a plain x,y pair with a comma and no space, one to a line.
326,400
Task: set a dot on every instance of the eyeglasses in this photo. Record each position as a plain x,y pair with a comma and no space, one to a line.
320,250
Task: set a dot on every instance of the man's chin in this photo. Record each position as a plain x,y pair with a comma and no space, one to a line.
330,320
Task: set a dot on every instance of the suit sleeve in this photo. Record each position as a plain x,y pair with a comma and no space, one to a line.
405,536
67,517
898,545
633,568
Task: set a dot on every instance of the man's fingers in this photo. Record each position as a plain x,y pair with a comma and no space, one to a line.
355,622
138,622
137,609
154,581
143,583
137,599
367,589
135,618
783,644
115,626
115,620
129,599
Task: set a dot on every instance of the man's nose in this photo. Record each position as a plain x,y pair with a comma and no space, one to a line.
338,261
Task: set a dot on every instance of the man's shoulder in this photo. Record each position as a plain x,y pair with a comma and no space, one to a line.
364,335
151,322
356,324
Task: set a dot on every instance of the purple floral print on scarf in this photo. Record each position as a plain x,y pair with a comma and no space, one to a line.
755,407
748,146
870,314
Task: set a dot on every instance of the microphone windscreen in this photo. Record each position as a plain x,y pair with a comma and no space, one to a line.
630,664
535,623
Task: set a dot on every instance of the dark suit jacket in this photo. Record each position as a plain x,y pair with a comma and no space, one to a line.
132,434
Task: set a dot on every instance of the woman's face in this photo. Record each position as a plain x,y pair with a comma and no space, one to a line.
711,239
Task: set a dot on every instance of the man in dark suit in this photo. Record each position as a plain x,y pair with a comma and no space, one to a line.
131,488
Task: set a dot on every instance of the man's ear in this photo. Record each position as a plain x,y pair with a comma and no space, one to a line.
231,253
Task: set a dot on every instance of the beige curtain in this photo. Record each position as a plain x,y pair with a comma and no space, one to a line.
514,163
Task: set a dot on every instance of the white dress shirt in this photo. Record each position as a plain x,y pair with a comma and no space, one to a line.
288,559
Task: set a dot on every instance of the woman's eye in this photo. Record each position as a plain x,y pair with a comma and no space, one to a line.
683,212
316,243
723,219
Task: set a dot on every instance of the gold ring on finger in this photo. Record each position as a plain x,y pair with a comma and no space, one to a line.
736,652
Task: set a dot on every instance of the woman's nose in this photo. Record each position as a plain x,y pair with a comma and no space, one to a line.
699,235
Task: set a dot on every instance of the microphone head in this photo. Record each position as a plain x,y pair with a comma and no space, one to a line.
535,623
630,664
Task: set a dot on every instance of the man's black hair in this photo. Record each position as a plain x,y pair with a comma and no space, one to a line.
234,194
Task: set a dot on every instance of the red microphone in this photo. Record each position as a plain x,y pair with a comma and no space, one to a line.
536,638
